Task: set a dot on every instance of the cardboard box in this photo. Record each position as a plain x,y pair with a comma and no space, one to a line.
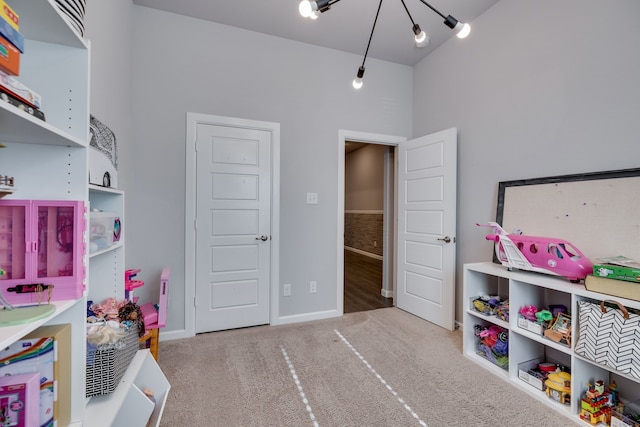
536,328
46,351
9,58
614,287
525,375
14,36
618,272
61,335
9,15
19,400
5,97
15,87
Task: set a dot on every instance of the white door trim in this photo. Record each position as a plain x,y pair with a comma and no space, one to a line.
371,138
193,120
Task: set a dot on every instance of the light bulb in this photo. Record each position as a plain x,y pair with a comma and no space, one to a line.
357,83
314,15
305,8
462,29
422,39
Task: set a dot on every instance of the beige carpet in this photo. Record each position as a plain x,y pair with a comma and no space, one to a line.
377,368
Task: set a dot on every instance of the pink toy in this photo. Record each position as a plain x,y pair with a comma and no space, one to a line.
542,254
529,312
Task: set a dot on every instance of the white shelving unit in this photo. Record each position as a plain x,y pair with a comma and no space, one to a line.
525,288
49,161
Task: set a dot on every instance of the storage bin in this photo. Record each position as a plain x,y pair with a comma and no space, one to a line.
107,363
104,230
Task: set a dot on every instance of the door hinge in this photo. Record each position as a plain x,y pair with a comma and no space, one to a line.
195,224
195,302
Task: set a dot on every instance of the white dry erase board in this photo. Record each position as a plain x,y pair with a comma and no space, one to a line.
598,212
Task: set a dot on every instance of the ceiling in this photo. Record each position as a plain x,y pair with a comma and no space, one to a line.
345,27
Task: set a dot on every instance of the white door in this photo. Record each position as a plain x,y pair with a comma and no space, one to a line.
427,227
233,235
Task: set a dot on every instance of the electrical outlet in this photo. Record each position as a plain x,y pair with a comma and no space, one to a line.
313,287
286,290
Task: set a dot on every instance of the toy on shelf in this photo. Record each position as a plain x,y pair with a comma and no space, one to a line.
488,305
597,403
560,331
558,387
493,343
130,284
155,316
541,254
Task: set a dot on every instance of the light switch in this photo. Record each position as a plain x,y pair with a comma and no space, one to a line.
312,198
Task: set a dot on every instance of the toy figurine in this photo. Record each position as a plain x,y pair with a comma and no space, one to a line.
541,254
558,387
596,404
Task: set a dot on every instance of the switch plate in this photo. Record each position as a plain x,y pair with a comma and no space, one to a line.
313,287
312,198
286,290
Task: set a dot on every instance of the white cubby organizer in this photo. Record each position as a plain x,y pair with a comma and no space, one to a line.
49,161
525,288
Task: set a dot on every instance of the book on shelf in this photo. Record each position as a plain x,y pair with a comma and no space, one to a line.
617,267
613,287
5,97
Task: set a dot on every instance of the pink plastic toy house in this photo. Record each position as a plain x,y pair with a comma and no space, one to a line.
155,319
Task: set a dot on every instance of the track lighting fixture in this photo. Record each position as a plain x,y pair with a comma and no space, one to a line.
313,9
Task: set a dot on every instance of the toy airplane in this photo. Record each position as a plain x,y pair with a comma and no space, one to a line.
542,254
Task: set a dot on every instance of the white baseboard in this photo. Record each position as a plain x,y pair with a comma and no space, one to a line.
306,317
174,335
386,293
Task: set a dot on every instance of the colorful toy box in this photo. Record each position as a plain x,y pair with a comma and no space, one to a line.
10,33
13,86
19,400
9,15
33,356
9,58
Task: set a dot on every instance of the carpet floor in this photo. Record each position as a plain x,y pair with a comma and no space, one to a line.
377,368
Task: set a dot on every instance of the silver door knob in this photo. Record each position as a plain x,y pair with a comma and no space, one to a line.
263,238
445,239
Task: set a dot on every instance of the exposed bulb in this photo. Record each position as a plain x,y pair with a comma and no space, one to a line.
357,83
462,29
422,39
314,15
305,8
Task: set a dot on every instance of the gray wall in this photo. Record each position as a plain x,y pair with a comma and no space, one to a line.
538,89
111,82
183,64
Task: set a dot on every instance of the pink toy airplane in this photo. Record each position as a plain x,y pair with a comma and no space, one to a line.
542,254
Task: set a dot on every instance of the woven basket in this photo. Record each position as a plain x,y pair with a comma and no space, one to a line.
107,364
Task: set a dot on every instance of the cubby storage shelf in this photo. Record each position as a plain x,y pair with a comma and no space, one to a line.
524,288
128,405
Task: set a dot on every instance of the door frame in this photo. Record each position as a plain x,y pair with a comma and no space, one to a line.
388,247
192,121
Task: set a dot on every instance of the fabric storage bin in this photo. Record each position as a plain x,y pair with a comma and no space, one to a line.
106,364
609,335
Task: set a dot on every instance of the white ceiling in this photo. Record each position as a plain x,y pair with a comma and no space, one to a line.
345,27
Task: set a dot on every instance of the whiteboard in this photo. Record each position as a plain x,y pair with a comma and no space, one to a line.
598,212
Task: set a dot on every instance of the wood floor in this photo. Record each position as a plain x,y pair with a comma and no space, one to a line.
362,283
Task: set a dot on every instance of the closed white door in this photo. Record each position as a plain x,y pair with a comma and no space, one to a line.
427,227
233,234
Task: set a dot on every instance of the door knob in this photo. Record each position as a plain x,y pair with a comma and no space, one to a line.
263,238
445,239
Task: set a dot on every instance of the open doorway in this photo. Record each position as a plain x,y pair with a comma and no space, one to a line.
367,167
386,243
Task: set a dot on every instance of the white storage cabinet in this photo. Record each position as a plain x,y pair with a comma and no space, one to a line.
525,288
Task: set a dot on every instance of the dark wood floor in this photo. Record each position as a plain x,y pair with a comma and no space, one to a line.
362,283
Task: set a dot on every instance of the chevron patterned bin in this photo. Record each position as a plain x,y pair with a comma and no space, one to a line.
610,336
